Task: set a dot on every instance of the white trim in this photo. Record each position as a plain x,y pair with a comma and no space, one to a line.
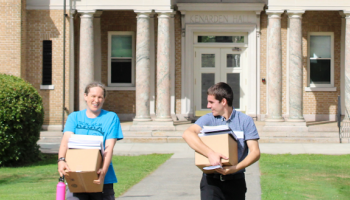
187,106
287,72
120,85
121,88
97,45
313,89
47,87
258,77
332,59
220,6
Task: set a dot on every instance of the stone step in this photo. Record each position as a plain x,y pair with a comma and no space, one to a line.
298,140
300,134
152,140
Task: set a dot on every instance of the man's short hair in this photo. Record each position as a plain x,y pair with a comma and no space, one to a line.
220,91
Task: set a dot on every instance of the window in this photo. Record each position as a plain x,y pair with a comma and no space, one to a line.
321,60
47,62
121,54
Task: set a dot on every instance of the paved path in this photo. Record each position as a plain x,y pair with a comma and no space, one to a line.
178,177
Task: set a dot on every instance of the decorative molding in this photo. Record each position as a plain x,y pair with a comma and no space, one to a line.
220,7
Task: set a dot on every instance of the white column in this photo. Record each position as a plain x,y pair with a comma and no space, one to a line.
143,67
295,66
86,52
347,61
163,68
97,45
172,64
274,66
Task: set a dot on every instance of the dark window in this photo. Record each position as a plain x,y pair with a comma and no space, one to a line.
47,62
121,71
320,71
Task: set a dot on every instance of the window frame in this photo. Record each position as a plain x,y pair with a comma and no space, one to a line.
319,87
121,86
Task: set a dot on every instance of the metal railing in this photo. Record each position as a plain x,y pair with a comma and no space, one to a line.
344,127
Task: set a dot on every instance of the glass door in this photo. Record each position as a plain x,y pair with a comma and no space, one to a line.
213,65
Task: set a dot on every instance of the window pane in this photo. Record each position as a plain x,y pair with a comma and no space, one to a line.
207,81
121,46
47,62
320,71
233,60
121,71
221,39
208,60
320,46
233,81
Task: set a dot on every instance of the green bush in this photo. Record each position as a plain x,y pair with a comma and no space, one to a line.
21,117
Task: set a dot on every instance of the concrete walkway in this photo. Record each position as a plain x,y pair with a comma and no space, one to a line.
178,177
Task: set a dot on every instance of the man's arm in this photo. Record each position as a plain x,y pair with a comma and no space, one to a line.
252,157
192,139
62,166
106,160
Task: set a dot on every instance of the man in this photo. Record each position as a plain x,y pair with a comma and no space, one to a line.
228,182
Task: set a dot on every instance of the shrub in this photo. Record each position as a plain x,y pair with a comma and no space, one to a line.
21,117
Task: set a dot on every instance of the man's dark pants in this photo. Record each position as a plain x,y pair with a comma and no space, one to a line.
212,188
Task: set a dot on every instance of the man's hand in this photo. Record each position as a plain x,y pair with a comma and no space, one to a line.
63,168
227,170
215,158
101,177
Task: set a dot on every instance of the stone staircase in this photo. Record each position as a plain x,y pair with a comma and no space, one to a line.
313,132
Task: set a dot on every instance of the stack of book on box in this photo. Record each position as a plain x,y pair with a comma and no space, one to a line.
217,130
220,139
84,158
86,142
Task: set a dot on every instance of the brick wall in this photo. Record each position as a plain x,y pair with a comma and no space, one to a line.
322,21
48,25
312,21
12,37
121,102
178,63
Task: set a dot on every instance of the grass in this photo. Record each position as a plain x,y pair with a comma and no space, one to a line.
305,176
38,181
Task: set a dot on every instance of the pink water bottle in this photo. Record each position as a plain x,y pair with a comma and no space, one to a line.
61,189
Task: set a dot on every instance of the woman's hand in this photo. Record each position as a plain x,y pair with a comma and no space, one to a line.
101,177
63,168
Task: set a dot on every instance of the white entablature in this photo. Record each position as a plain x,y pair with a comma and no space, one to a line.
309,5
100,5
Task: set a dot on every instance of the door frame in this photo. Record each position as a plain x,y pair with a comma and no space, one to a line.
220,70
187,82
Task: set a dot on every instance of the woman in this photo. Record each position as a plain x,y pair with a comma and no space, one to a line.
93,121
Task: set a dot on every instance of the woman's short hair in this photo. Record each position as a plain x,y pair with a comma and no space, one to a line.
220,91
95,84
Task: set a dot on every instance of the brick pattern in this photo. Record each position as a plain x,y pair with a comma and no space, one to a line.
121,102
48,25
313,21
178,63
12,24
322,21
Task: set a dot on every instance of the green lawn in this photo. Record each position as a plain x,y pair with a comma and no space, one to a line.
39,180
305,176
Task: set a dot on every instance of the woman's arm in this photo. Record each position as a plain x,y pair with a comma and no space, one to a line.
107,158
62,165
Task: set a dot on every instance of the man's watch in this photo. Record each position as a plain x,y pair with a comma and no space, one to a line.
61,159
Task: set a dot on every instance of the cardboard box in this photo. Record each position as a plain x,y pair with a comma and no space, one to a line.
84,164
224,144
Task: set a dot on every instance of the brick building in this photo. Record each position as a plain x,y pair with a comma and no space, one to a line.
286,61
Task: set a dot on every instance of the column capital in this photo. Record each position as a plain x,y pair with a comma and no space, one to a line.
145,12
346,14
164,13
274,13
295,13
87,13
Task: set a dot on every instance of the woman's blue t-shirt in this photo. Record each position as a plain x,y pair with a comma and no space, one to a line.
107,124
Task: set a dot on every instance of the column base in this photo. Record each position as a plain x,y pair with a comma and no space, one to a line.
153,126
165,119
146,119
274,120
295,120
